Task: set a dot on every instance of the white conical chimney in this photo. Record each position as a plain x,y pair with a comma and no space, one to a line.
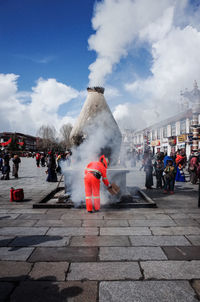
96,119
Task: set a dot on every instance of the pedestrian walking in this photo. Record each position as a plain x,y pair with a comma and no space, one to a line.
38,156
6,167
169,176
51,164
16,161
159,168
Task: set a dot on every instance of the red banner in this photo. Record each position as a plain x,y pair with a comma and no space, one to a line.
6,143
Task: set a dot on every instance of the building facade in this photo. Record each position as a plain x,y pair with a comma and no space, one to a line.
180,131
30,142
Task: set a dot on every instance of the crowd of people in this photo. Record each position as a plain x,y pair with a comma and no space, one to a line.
5,168
170,169
53,161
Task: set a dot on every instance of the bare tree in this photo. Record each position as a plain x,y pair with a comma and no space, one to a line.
47,137
65,131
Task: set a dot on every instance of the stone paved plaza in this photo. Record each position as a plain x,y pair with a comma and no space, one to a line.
130,255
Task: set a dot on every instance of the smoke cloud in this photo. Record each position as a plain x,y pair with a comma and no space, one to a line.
97,136
169,31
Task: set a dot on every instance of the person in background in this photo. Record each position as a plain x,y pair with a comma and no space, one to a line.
180,164
68,157
51,164
38,159
148,168
169,177
6,166
192,167
16,161
1,162
42,160
159,168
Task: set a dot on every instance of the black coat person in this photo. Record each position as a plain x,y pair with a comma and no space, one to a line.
52,176
6,167
148,168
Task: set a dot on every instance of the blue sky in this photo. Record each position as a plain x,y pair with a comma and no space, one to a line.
46,39
51,50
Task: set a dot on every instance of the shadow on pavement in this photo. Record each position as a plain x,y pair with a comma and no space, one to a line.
32,290
26,241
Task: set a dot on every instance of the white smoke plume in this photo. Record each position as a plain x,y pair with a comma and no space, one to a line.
97,136
169,30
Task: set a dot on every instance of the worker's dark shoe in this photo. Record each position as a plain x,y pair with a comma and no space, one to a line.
89,211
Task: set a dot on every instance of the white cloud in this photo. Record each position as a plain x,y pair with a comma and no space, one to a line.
129,116
41,108
117,24
171,31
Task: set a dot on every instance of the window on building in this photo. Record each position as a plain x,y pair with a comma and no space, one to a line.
183,127
158,133
173,127
164,132
153,135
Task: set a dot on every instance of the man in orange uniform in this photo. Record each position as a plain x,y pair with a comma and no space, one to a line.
93,173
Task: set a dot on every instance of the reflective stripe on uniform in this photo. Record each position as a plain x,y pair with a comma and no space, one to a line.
104,177
88,197
96,197
93,170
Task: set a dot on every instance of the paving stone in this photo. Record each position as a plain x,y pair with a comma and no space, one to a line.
12,270
81,214
100,241
179,216
186,222
17,231
196,286
93,223
48,291
149,291
104,271
35,216
194,239
157,216
125,231
175,230
71,254
151,222
27,211
171,269
72,231
64,223
158,240
105,223
182,252
8,216
49,271
15,254
17,223
5,290
37,240
131,253
123,215
4,240
194,215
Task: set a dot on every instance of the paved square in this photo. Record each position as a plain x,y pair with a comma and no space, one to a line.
148,291
104,271
131,253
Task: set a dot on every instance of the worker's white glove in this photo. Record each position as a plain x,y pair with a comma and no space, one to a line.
110,186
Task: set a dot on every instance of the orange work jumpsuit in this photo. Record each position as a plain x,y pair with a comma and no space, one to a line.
92,183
